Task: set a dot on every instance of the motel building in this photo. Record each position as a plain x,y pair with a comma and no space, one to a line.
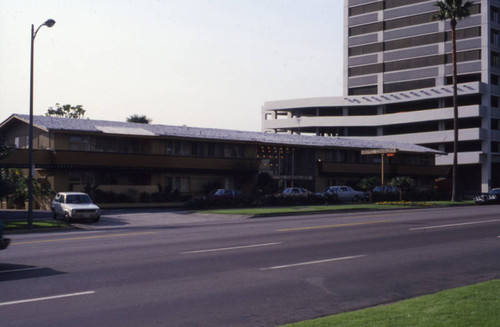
121,157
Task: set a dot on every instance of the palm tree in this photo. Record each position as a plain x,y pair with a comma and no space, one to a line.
454,10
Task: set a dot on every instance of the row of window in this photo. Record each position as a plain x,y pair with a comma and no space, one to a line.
104,144
463,146
376,6
401,22
84,178
172,147
343,156
414,41
398,129
391,108
205,149
429,82
418,84
414,63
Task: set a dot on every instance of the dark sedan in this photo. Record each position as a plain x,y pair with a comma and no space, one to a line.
489,198
4,242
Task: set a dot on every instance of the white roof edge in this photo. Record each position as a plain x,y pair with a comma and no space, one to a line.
373,100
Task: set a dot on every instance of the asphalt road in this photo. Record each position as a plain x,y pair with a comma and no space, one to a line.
174,269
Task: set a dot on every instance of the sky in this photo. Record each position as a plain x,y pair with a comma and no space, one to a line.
200,63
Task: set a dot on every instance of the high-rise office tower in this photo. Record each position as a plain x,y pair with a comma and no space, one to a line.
398,85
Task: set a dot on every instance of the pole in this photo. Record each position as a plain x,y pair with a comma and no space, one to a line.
30,137
31,166
382,170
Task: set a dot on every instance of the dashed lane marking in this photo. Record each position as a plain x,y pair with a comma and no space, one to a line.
46,298
314,262
232,248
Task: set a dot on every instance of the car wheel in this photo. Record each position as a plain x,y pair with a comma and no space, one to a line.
67,218
355,198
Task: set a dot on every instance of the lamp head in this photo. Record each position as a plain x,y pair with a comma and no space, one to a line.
49,23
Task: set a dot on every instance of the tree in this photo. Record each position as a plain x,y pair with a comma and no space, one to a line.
368,183
454,10
404,183
139,119
66,111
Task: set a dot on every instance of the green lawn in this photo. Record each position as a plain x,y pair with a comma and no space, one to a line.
338,207
37,225
470,306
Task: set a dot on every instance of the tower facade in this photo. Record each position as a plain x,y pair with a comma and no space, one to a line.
398,85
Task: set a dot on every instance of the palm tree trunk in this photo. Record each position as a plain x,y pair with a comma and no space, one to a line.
454,195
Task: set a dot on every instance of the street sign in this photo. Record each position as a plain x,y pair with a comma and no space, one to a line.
378,151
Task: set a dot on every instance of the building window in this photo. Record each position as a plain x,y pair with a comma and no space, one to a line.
173,147
495,37
494,15
495,60
179,184
494,79
494,124
495,147
364,90
494,101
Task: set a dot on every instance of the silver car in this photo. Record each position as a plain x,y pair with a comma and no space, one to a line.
345,193
74,205
295,192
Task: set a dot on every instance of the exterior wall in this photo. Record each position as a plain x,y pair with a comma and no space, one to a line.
19,136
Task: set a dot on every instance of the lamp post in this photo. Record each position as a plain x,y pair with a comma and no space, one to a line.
31,167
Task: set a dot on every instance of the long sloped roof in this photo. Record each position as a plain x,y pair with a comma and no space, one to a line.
126,128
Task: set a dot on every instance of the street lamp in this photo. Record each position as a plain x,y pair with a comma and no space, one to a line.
31,167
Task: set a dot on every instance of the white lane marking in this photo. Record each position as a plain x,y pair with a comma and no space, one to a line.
18,270
84,238
314,262
232,248
46,298
458,224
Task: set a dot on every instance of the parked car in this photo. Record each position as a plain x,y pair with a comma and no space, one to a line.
385,189
295,191
344,193
4,242
74,205
491,197
224,194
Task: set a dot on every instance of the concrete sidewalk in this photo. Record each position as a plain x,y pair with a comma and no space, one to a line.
113,218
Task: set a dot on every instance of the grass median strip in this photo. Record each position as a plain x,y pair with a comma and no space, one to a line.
37,225
336,207
469,306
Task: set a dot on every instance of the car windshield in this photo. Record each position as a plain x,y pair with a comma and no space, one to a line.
78,198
